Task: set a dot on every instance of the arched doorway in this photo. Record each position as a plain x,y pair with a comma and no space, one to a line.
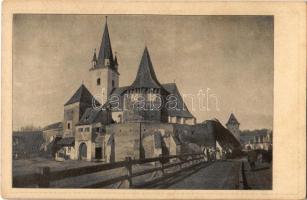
82,151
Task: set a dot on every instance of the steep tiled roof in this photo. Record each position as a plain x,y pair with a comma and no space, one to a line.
224,136
181,109
232,119
146,77
92,115
82,95
118,91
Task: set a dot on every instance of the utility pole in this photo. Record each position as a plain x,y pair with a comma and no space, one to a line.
140,153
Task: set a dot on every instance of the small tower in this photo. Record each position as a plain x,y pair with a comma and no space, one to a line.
75,107
233,126
147,87
104,69
94,60
115,61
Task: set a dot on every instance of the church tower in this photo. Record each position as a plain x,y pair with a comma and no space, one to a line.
145,95
104,69
233,126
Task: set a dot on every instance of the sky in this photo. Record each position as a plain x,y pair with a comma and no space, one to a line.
232,57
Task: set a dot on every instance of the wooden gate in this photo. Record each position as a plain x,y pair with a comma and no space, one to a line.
82,151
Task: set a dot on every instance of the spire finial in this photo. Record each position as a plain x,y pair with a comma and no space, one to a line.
115,59
94,56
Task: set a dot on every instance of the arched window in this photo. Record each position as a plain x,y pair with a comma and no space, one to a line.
98,81
68,125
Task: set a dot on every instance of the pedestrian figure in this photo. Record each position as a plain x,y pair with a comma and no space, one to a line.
252,158
218,154
260,157
212,154
208,154
223,154
205,154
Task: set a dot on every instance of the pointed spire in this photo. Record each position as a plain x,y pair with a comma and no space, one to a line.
146,77
105,56
232,120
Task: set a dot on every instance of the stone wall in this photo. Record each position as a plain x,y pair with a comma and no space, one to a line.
127,136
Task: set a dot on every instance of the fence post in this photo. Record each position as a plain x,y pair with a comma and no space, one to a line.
129,171
162,164
43,177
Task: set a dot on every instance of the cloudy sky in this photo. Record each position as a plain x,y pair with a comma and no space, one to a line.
230,55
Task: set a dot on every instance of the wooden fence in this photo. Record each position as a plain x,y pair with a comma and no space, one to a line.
45,176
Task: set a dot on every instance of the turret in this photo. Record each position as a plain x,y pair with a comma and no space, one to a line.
233,126
94,60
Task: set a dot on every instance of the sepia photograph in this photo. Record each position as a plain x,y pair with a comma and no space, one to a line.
142,101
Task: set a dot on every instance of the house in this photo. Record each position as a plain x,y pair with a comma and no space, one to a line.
257,139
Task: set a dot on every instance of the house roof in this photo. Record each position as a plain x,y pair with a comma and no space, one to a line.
232,119
82,95
67,141
57,125
92,115
119,90
180,109
146,77
253,133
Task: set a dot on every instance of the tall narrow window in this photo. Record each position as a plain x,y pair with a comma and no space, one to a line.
112,83
68,125
98,81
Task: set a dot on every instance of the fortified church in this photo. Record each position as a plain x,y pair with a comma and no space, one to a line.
141,120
